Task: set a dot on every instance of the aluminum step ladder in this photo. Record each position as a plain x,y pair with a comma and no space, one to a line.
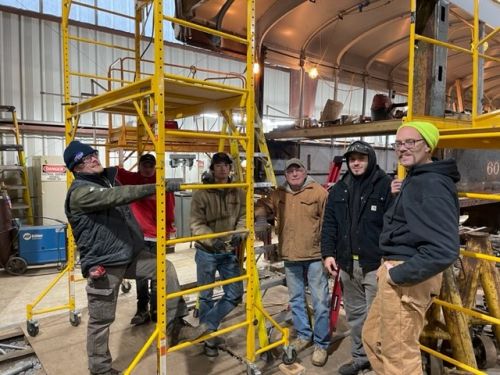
261,154
14,177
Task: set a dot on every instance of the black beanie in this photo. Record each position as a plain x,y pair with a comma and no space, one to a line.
75,152
220,157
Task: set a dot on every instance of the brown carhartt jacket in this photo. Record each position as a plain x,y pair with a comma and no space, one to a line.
217,210
299,216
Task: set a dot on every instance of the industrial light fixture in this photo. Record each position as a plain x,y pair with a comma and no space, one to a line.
313,73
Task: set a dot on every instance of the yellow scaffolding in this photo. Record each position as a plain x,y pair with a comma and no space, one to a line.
482,132
154,98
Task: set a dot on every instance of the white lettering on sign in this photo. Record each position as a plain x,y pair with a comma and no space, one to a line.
53,168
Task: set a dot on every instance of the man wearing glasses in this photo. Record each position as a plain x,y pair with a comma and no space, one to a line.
349,239
419,241
111,248
298,207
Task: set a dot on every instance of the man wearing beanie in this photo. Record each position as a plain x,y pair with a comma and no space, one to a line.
350,239
298,206
111,248
419,241
213,211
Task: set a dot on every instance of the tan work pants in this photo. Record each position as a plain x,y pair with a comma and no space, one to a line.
395,321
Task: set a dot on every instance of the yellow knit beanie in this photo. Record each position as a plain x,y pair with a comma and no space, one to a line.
427,130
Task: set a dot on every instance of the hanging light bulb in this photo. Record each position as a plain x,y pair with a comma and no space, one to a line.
313,73
256,68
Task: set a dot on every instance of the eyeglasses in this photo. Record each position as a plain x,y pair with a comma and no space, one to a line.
408,143
89,157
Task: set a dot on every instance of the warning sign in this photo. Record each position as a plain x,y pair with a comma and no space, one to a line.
53,172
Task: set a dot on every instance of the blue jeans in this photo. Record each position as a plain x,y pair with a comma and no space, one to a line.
312,273
207,264
358,294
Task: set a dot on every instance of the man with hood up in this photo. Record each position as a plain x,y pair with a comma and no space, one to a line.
214,211
349,239
298,207
419,241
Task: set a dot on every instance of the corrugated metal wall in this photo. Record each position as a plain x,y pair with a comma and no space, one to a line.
31,79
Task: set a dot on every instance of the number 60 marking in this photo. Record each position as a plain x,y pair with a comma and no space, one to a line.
493,168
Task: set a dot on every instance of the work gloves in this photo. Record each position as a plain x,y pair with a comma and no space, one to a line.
237,239
172,185
219,245
261,226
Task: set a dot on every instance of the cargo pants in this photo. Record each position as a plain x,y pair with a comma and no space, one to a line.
102,295
395,321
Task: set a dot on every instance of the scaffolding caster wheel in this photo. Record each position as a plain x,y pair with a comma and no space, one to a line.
75,318
252,369
126,286
485,351
32,327
289,355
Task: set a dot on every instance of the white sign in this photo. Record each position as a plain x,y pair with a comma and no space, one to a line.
53,172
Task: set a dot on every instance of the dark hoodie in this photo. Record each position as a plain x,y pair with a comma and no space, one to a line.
421,227
353,217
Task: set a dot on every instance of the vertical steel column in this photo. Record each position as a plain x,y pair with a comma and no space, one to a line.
68,122
158,83
437,92
475,60
250,113
411,59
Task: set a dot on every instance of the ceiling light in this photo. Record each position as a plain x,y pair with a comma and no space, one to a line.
313,73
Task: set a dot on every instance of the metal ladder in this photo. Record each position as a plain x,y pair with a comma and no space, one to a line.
18,191
261,153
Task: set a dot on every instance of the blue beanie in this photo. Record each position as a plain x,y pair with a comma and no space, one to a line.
75,152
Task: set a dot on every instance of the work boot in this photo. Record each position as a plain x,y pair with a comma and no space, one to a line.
210,351
319,356
186,332
300,344
140,317
353,368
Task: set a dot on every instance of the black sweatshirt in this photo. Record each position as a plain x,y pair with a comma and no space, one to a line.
421,227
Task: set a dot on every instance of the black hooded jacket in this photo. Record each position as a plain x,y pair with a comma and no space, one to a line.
421,227
354,211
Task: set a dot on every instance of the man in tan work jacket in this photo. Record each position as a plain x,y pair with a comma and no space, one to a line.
214,211
298,207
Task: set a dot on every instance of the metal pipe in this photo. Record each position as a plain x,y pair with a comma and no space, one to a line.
19,369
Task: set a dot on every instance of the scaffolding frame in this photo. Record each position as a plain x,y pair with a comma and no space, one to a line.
483,131
153,98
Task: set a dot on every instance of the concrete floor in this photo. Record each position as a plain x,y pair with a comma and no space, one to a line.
60,346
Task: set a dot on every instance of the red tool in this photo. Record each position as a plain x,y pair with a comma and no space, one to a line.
333,174
335,303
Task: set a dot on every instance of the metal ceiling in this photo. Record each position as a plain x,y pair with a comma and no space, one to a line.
368,37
